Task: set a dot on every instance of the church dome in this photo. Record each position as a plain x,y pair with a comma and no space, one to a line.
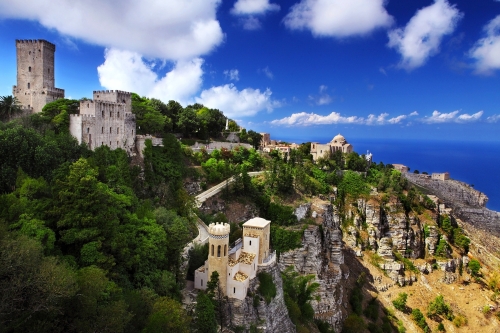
338,139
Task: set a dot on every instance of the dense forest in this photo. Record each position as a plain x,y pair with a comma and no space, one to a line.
91,241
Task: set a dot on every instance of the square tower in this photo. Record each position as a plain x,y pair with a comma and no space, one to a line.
257,229
35,74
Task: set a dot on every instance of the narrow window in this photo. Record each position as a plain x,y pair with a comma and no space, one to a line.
254,266
102,143
118,130
88,129
118,114
218,251
110,114
117,143
229,273
29,69
102,130
87,105
225,249
103,114
48,70
110,143
132,132
29,85
212,250
250,243
202,282
110,130
234,290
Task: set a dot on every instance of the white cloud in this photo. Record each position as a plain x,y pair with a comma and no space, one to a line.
323,98
486,51
494,118
438,117
233,74
173,29
414,113
250,23
267,72
125,70
253,7
310,119
338,18
422,36
237,103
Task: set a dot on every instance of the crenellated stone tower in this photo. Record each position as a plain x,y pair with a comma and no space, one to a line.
218,247
35,74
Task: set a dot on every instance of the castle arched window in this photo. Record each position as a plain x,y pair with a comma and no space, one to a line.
88,129
29,69
218,251
88,105
29,85
103,114
110,114
212,250
225,250
250,243
110,130
30,52
234,290
102,130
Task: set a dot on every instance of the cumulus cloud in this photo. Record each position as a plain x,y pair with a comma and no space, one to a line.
338,18
250,23
438,117
422,36
238,103
253,7
493,119
323,98
267,72
173,29
310,119
414,113
233,74
486,51
125,70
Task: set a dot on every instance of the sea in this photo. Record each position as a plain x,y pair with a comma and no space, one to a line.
475,163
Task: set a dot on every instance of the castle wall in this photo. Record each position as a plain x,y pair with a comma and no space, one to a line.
35,74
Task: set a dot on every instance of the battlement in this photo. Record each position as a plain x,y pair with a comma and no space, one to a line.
219,229
36,41
112,92
82,115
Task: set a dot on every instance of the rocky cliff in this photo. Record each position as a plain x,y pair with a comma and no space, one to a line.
321,254
272,317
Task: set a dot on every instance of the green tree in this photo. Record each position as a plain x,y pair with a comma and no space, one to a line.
56,114
9,106
438,307
167,316
204,321
474,267
400,302
216,294
188,123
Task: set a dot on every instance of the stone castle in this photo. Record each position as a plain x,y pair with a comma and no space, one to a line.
105,120
238,265
338,143
35,74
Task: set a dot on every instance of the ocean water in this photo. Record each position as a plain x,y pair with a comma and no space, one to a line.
475,163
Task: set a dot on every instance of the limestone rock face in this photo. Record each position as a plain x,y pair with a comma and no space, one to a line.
270,318
192,188
302,211
431,242
321,254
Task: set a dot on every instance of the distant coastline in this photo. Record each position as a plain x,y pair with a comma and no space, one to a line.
472,162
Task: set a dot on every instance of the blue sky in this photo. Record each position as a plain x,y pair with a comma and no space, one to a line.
301,70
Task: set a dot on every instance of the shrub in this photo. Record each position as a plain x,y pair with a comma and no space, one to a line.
440,308
267,288
371,311
474,267
486,310
459,321
400,302
401,327
353,324
418,317
442,249
356,300
440,327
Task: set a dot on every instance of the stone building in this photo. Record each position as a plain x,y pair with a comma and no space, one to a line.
238,265
105,120
400,167
338,143
35,74
441,176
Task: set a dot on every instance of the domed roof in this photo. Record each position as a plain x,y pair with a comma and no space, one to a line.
339,138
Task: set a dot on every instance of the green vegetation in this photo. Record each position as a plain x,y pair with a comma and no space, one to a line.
267,288
419,319
474,267
9,106
299,291
400,302
438,307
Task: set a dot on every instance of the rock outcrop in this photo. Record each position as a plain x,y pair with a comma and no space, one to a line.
269,318
322,255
